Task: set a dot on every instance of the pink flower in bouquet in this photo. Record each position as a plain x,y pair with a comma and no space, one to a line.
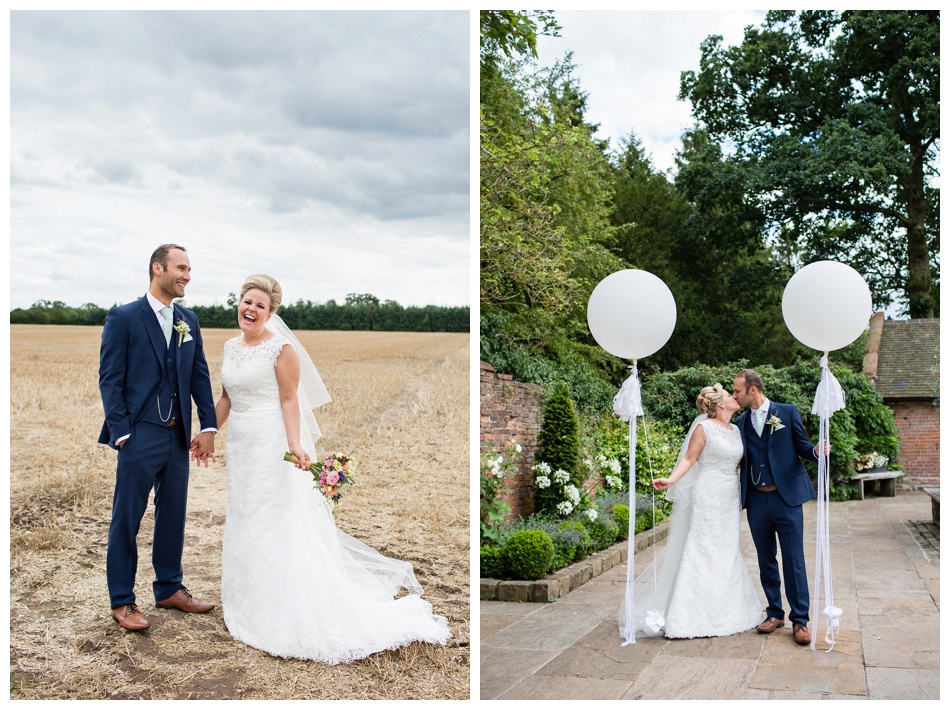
333,476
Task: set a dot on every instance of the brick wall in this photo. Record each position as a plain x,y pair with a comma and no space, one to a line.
919,427
511,410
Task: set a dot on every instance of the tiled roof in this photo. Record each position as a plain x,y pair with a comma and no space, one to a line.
907,354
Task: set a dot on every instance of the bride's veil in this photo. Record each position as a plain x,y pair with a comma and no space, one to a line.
654,585
311,392
372,572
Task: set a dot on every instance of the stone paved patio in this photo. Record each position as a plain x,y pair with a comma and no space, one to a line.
885,555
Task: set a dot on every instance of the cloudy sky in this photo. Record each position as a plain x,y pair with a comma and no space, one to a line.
328,149
629,63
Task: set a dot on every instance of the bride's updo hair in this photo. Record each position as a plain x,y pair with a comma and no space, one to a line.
708,398
267,284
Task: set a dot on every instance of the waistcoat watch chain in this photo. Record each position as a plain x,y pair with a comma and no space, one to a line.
158,406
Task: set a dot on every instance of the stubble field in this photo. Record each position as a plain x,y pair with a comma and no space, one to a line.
401,403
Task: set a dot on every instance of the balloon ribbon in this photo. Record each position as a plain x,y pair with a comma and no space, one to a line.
829,398
628,406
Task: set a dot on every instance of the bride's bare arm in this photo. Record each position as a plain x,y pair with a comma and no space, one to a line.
222,408
288,375
696,443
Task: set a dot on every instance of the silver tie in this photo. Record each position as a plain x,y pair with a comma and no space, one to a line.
167,312
757,421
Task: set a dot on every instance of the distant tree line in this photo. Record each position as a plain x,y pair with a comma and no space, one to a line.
58,313
357,312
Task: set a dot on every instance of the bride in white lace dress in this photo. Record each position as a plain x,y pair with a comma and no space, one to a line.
699,585
292,584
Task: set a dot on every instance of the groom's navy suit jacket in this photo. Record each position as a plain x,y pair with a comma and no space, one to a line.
786,448
132,366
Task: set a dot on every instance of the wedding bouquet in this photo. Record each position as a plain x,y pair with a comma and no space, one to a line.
332,476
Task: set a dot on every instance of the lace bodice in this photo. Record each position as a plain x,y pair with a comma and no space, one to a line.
249,376
723,448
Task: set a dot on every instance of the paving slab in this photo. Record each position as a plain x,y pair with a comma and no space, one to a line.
554,628
914,604
555,688
901,642
756,694
491,624
786,666
874,573
600,654
903,684
580,662
747,645
608,591
503,668
700,679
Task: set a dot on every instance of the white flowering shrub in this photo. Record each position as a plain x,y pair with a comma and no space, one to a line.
567,496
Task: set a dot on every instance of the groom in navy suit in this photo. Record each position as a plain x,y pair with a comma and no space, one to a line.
774,485
151,365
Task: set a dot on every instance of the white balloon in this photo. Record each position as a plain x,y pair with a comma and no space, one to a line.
826,305
631,314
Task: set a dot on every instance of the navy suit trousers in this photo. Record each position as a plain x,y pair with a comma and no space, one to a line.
771,518
154,457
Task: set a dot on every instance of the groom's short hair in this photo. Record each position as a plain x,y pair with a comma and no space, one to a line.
161,256
752,379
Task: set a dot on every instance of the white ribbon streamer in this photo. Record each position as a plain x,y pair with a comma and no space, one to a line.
829,398
627,406
627,403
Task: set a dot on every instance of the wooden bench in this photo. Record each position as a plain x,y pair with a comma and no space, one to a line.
886,482
934,494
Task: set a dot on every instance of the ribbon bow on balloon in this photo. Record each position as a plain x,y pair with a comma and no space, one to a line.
627,403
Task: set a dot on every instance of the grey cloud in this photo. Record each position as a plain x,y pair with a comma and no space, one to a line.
276,119
120,172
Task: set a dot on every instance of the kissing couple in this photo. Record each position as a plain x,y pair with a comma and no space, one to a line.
701,587
281,548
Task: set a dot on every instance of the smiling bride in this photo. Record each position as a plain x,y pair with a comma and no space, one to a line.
293,584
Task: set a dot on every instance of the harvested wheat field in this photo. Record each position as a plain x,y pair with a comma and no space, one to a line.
401,403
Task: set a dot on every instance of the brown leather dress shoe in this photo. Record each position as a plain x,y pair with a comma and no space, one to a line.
129,617
183,601
769,625
801,634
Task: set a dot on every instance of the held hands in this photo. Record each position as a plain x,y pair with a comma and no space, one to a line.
661,484
202,448
827,450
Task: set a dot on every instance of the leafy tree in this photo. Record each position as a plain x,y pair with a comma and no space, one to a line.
835,115
729,283
545,189
513,32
